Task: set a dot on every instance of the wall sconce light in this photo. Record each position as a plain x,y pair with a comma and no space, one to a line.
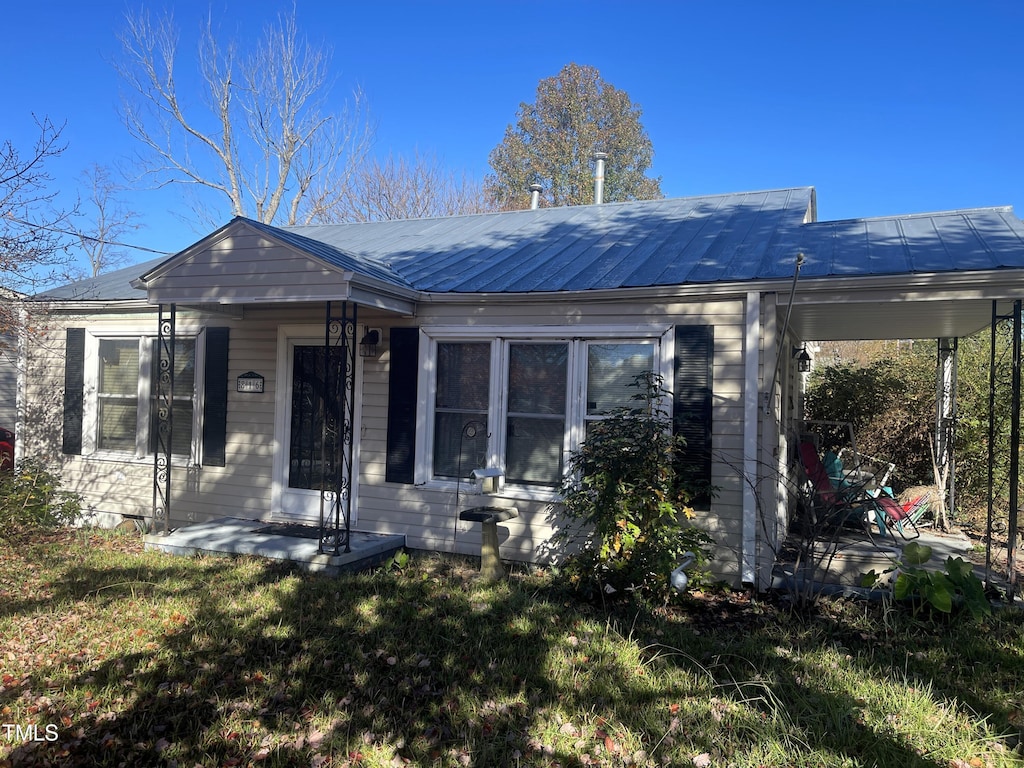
803,359
368,344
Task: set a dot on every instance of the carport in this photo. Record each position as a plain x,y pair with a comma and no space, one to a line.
939,276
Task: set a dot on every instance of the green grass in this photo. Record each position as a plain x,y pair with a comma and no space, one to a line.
137,658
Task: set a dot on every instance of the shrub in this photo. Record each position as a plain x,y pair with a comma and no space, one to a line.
939,589
31,497
624,490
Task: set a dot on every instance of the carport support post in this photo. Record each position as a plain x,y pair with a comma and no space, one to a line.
1011,536
945,418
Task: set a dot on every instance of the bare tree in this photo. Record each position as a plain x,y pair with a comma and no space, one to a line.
260,138
407,188
33,242
109,219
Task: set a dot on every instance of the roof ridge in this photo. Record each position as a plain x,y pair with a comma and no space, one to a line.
606,205
919,215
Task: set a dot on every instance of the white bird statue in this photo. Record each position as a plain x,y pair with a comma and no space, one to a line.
679,578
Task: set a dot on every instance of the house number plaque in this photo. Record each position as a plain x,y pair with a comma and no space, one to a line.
249,382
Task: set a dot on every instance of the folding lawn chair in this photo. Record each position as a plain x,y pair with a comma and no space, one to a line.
892,516
840,501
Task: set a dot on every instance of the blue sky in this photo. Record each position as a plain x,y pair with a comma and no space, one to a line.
886,107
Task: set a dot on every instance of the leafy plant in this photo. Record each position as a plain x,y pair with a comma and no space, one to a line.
939,589
31,497
625,491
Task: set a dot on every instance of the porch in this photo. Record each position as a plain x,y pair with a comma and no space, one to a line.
290,542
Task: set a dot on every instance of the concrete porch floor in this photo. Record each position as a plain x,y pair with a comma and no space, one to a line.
855,554
237,536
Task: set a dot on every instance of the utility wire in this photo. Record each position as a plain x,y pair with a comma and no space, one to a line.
82,236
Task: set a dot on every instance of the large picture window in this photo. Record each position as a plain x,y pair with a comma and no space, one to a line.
523,404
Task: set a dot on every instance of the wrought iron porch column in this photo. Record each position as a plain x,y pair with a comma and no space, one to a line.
336,446
163,399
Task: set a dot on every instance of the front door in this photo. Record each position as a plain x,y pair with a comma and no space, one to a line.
308,405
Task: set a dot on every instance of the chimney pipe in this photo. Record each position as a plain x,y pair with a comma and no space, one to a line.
535,196
599,158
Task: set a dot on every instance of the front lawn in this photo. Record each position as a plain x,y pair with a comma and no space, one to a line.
114,656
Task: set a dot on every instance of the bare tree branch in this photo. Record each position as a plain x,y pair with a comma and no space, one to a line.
33,246
267,137
406,188
108,219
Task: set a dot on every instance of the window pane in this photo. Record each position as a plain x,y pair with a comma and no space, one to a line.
119,367
537,378
535,431
611,370
463,376
461,401
184,393
460,443
117,398
116,421
534,450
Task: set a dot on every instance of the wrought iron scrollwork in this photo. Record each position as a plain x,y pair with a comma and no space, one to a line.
163,397
337,438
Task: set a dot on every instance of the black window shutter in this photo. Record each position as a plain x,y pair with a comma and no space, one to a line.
691,412
402,381
74,390
215,398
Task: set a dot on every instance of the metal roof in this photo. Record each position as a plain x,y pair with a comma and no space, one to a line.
716,239
110,286
947,241
615,245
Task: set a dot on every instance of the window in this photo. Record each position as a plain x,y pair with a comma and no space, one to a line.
461,400
117,395
535,423
121,417
611,369
510,402
183,396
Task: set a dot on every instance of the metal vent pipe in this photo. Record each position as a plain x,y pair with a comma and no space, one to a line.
535,196
599,158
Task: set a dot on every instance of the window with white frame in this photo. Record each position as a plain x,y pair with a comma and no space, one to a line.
523,404
120,411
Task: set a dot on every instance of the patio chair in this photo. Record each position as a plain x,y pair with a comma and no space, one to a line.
838,502
892,517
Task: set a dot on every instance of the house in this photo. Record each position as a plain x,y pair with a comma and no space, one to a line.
197,387
9,301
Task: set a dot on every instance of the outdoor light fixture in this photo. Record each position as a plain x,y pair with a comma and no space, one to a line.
368,344
803,359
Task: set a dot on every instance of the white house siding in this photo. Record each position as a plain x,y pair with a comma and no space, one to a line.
239,267
427,516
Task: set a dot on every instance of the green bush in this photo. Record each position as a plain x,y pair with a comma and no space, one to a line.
31,497
891,405
624,491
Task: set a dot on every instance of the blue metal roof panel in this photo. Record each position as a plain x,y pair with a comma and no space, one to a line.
110,286
945,241
655,242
